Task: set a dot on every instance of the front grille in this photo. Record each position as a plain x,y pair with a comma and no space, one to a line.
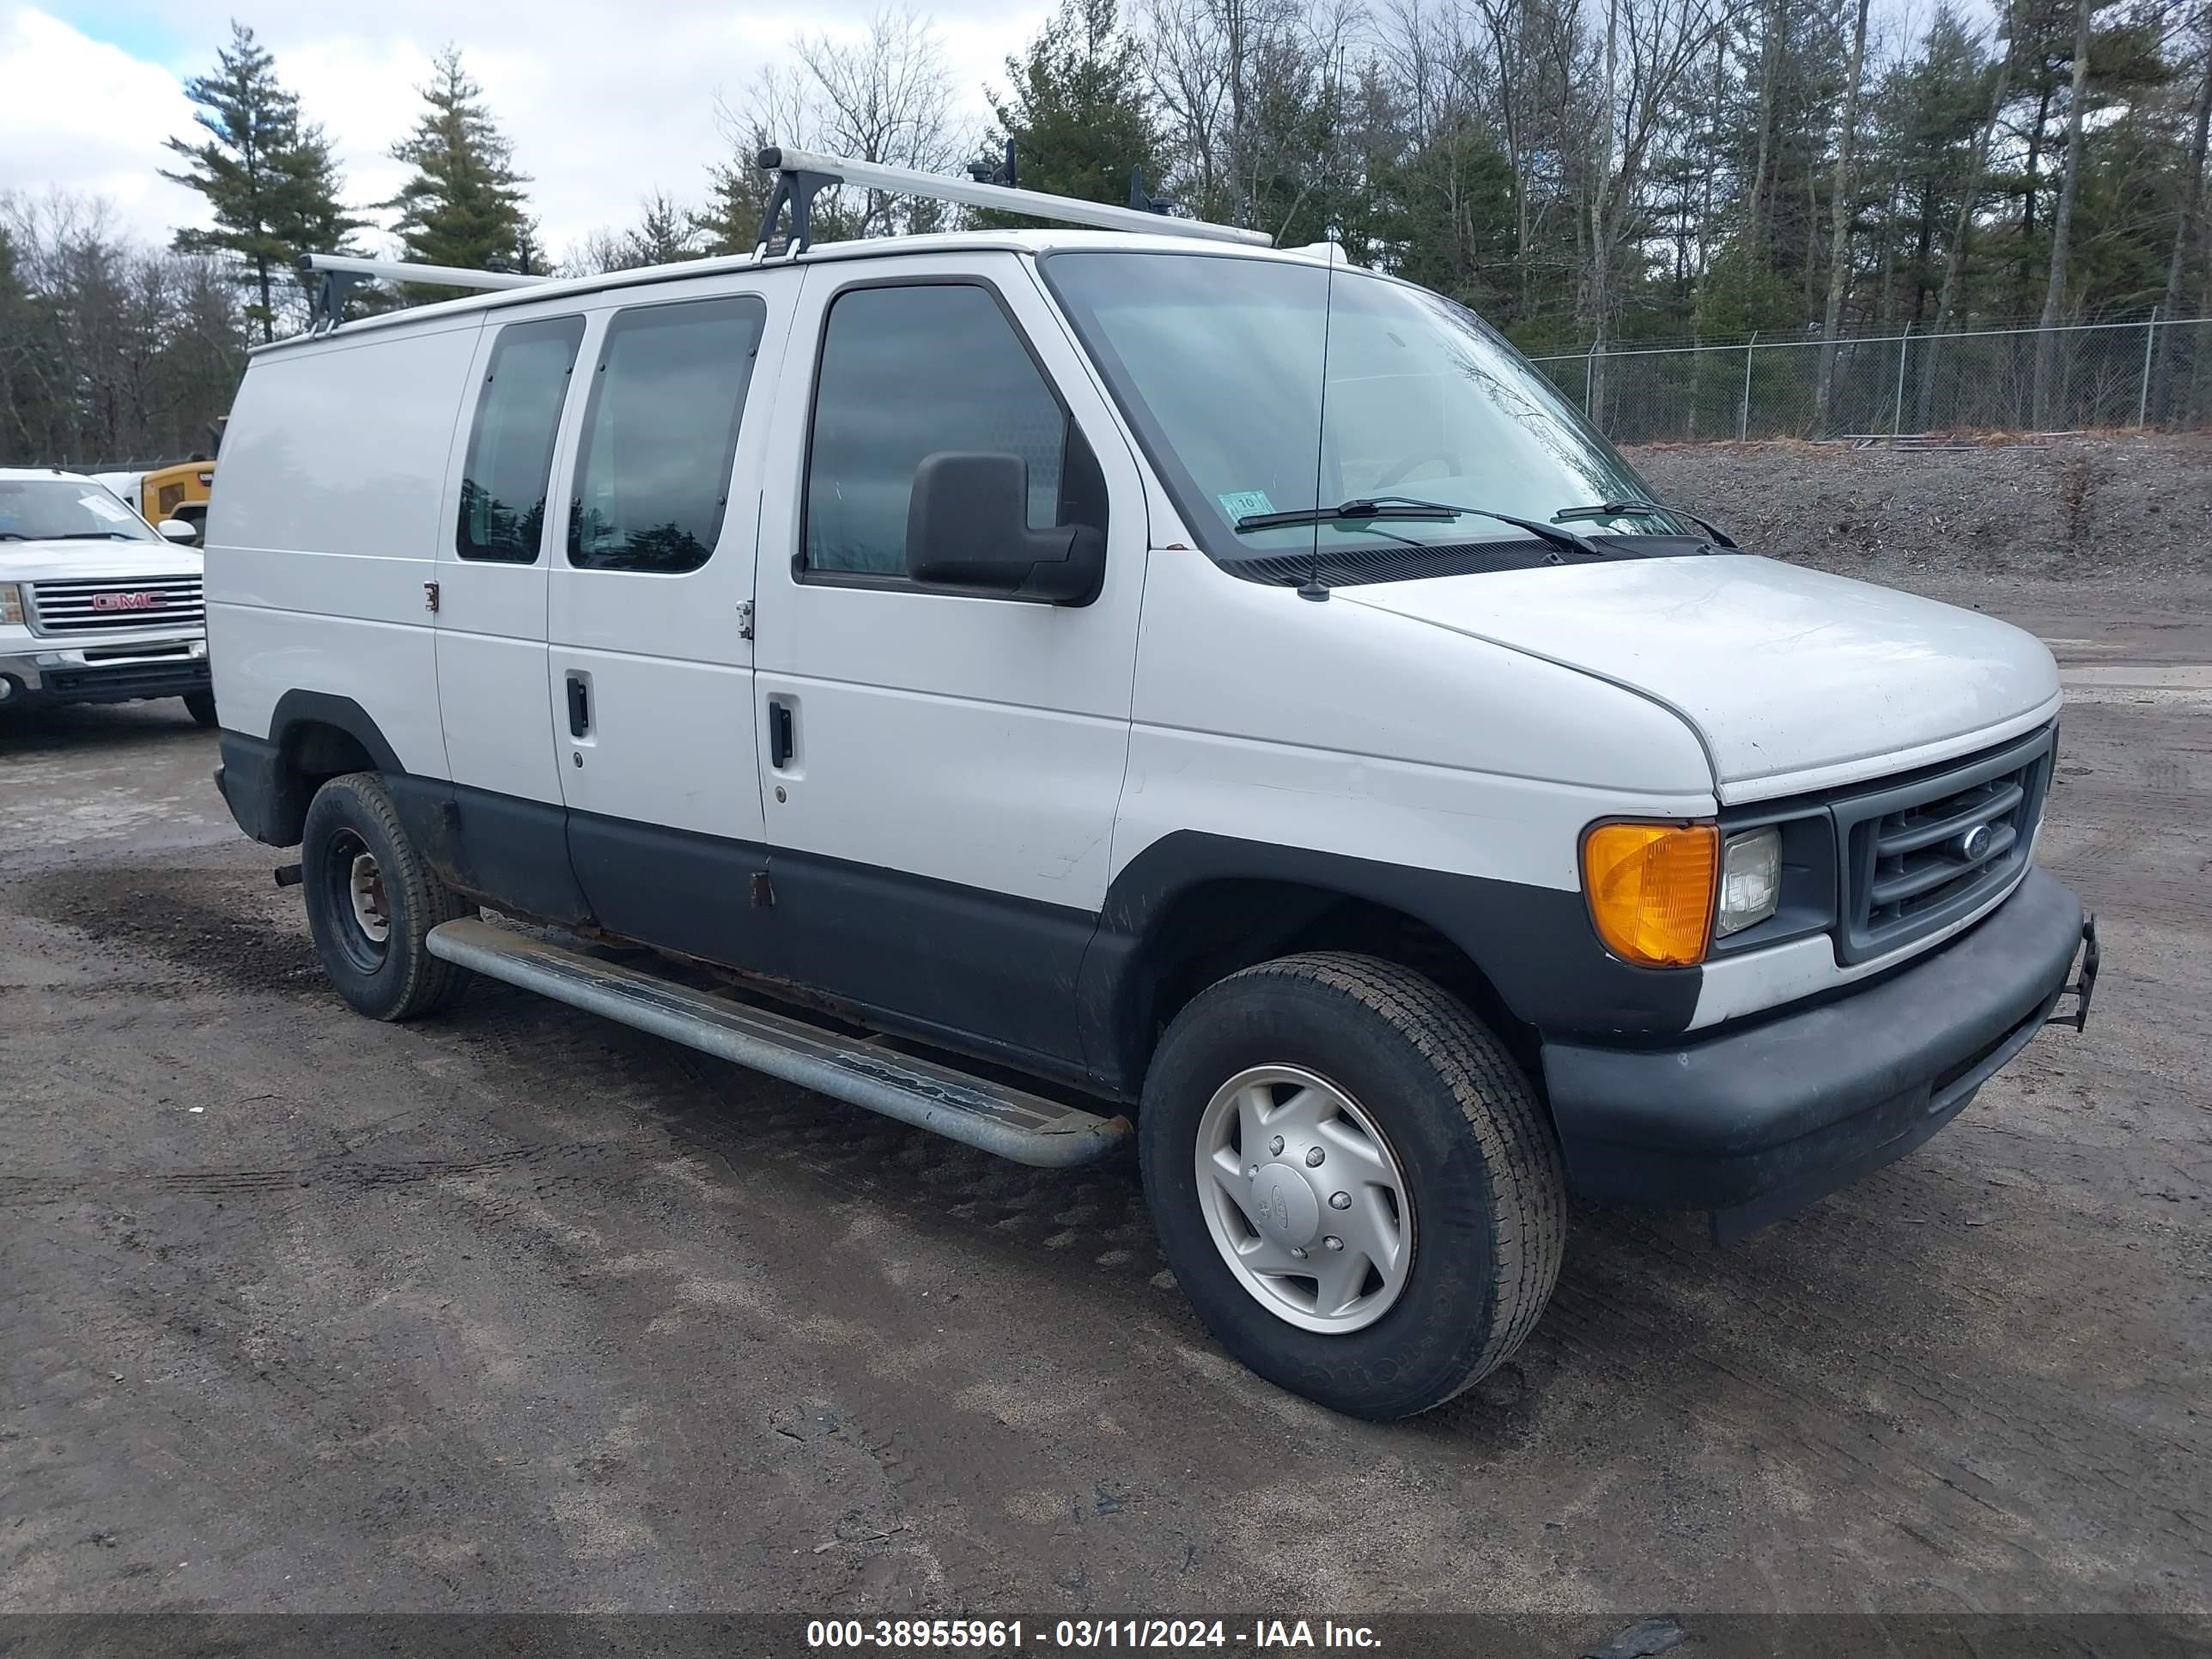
111,604
1924,852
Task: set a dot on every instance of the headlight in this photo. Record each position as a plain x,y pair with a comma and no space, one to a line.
11,605
1650,888
1750,880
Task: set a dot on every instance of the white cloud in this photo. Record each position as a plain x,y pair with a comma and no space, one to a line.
605,100
82,116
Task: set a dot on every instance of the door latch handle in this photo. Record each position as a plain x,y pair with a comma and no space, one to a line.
779,734
579,707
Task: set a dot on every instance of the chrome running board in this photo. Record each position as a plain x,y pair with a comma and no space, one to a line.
975,1111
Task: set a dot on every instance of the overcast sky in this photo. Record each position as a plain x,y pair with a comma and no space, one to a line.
604,101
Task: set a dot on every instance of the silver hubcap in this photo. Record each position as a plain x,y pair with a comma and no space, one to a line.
366,886
1305,1198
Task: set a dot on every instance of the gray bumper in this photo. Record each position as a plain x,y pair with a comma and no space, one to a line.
68,677
1759,1122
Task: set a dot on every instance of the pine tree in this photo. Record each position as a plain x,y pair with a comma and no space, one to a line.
268,176
465,205
1077,113
730,222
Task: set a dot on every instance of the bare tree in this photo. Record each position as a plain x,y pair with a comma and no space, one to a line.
1187,64
885,97
882,95
1533,48
1769,29
1962,228
1650,46
1253,93
110,351
2062,224
1839,234
2193,201
664,234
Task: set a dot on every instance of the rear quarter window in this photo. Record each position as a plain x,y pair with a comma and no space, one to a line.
510,460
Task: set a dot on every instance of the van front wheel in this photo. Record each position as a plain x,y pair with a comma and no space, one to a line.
372,902
1351,1180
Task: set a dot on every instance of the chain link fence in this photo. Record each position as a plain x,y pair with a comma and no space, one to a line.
2154,373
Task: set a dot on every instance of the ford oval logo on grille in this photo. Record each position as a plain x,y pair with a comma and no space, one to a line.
1974,845
140,600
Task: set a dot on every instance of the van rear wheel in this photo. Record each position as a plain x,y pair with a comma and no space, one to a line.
1352,1182
372,902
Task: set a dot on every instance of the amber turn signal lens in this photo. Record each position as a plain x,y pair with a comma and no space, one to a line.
1650,888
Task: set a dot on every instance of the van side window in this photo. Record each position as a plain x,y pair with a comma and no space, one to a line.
661,434
908,372
510,462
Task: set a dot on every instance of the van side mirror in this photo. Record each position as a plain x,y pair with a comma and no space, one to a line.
967,525
177,530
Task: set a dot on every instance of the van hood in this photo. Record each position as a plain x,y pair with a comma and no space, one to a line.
70,562
1793,679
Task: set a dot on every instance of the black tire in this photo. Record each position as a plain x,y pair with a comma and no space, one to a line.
1480,1166
396,977
200,705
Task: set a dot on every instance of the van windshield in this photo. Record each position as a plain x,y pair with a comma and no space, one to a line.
66,510
1217,362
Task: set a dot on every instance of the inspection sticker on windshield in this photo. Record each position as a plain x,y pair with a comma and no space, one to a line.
104,507
1244,503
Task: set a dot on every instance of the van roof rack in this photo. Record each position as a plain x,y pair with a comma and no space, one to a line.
800,174
342,273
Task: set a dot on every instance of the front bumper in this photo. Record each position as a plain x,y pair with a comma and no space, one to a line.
117,671
1756,1123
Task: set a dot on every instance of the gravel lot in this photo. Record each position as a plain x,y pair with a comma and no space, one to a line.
514,1310
2134,510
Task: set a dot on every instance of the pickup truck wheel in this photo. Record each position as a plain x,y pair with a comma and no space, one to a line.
372,902
200,705
1351,1180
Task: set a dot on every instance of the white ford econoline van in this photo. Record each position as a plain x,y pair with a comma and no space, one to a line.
1012,679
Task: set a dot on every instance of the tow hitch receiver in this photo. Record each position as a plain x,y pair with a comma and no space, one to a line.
2085,986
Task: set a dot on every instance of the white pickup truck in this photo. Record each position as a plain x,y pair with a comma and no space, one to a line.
95,605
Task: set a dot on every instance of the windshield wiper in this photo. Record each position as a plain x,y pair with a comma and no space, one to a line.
96,536
1369,508
1619,509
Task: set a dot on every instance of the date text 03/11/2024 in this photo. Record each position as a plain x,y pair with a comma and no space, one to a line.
1012,1635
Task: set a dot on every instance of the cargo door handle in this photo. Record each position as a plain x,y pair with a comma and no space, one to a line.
579,707
779,734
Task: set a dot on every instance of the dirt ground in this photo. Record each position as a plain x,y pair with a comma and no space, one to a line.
517,1309
2131,509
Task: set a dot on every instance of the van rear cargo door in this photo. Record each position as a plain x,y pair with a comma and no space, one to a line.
490,601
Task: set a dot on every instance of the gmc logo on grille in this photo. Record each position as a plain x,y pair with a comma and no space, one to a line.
139,601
